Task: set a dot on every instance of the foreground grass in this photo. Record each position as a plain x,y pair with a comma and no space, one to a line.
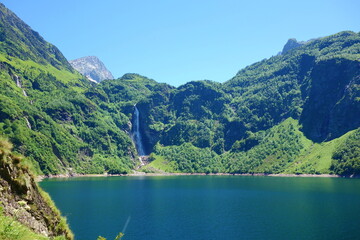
11,229
24,189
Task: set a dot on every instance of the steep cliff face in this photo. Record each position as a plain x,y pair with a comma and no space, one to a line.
332,107
92,68
22,199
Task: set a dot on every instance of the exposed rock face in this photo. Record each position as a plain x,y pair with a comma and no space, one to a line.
21,198
332,107
291,44
92,68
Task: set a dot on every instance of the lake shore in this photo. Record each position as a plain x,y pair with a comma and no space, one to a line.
42,177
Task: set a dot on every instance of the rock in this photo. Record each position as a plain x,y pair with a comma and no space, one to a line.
332,109
92,68
291,44
22,199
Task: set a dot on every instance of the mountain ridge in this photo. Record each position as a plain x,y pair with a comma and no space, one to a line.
26,43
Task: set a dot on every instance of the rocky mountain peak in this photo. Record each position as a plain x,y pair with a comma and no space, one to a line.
92,68
291,44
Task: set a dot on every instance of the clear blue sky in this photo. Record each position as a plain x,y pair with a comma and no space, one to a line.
176,41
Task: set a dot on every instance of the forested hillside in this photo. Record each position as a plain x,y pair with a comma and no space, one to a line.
297,112
47,112
315,84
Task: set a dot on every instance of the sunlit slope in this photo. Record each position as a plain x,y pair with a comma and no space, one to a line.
45,110
282,149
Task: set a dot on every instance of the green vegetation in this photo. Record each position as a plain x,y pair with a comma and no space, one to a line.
56,117
281,149
11,229
289,113
20,41
188,158
270,151
315,83
297,112
59,127
346,158
242,121
24,203
158,164
118,237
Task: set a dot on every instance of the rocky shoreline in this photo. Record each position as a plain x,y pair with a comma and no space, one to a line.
42,177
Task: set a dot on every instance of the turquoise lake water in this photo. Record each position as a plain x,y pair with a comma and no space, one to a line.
209,207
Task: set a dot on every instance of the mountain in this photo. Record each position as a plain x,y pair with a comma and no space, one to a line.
18,40
292,113
295,113
312,83
92,68
306,97
47,113
291,44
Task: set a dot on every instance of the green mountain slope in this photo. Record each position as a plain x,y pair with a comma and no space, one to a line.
280,149
18,40
316,84
47,111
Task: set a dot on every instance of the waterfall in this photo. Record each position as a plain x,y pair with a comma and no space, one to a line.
28,123
136,134
18,83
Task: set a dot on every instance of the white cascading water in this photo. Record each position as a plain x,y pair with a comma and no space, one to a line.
27,122
136,134
18,83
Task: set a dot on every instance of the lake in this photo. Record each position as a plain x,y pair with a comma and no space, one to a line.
209,207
